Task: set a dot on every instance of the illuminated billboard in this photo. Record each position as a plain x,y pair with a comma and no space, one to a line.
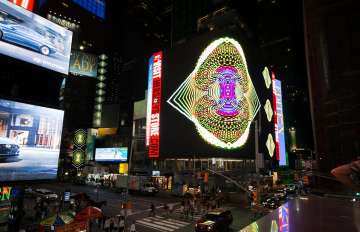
30,139
27,4
279,122
112,154
96,7
211,94
154,105
84,64
31,38
218,96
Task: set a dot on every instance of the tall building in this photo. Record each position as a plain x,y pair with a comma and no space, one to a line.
332,52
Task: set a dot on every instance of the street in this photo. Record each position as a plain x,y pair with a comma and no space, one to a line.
140,212
32,163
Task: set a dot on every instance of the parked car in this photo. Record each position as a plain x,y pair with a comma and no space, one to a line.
271,203
8,148
215,221
46,194
281,194
290,188
16,31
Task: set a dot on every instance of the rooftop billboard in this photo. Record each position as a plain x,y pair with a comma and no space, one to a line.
31,38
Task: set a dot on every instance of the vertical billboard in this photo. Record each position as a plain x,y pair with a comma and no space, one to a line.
27,4
30,139
279,122
83,64
154,103
31,38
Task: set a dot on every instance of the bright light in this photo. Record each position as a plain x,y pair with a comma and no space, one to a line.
82,47
218,96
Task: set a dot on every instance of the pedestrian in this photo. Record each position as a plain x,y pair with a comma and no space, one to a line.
112,221
121,224
192,209
171,208
166,209
152,210
107,224
133,227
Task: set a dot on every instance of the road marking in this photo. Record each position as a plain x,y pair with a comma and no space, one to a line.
162,224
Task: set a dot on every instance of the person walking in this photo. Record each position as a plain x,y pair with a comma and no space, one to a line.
107,224
152,210
171,209
121,224
133,227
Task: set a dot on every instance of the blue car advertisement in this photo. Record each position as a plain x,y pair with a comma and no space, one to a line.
111,154
30,138
31,38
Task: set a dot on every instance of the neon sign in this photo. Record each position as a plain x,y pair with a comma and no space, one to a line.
218,96
27,4
279,122
5,193
154,99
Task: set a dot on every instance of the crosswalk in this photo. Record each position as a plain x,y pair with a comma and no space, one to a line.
163,224
196,217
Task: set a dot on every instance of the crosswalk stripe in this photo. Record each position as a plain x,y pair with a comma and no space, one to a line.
161,223
174,221
162,228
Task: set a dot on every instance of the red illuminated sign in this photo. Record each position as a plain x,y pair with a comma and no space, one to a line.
27,4
154,141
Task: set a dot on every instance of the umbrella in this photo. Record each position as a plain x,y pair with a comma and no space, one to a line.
89,213
58,219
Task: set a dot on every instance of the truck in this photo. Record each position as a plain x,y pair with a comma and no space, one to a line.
137,184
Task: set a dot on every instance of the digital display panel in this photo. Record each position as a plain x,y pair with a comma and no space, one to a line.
111,154
154,105
279,123
27,4
84,64
210,99
30,138
31,38
96,7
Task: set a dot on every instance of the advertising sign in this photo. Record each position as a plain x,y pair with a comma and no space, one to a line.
30,139
123,168
111,154
96,7
155,69
279,123
84,64
78,156
27,4
31,38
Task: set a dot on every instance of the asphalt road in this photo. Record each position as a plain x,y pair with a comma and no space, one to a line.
32,163
140,212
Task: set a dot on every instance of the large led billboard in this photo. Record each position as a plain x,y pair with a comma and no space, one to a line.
111,154
31,38
154,105
279,123
83,64
209,98
30,139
